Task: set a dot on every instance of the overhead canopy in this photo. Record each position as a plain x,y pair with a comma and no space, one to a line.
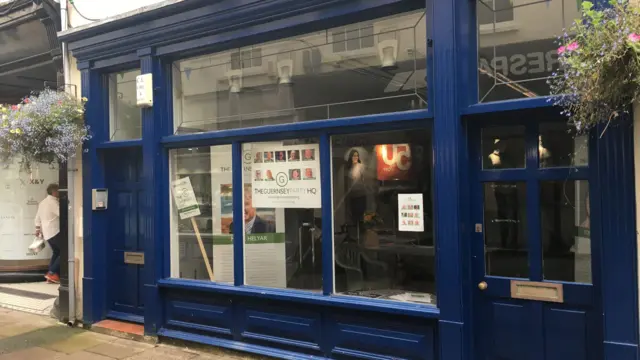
30,56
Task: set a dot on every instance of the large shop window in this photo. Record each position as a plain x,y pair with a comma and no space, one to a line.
282,215
383,216
368,68
125,118
201,241
516,50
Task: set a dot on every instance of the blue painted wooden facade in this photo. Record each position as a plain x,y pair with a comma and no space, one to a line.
601,321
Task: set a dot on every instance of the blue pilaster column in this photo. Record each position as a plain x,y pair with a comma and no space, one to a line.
448,138
154,178
94,295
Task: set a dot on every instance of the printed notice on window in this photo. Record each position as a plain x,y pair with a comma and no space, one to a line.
185,198
286,176
410,212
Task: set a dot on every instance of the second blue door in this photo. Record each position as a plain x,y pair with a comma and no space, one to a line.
124,235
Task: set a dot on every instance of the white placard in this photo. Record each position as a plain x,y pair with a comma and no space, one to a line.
286,176
410,212
185,198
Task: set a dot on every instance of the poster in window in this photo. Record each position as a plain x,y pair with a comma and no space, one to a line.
264,226
291,181
394,161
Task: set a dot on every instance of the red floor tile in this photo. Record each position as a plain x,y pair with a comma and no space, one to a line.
121,326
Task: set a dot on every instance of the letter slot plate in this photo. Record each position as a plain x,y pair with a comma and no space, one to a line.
541,291
136,258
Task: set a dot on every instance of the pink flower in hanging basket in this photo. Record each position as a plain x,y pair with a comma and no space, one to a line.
633,37
573,46
561,50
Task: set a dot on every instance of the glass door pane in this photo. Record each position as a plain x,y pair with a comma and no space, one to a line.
505,223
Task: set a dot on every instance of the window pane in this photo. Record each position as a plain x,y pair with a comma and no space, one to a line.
22,192
208,171
503,147
317,76
339,43
566,238
367,38
505,229
353,37
282,215
560,147
125,118
498,11
516,50
383,215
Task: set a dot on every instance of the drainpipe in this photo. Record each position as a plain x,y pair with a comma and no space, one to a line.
71,172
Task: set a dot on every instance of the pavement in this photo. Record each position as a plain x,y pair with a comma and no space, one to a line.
28,336
35,298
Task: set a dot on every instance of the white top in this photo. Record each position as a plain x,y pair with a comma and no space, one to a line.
48,217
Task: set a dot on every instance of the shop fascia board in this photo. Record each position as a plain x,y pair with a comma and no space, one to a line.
178,23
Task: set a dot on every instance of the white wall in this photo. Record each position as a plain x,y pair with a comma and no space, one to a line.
100,10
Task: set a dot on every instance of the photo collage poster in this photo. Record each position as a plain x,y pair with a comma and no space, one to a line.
286,176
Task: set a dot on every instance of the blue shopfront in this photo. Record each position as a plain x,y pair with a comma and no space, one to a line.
380,179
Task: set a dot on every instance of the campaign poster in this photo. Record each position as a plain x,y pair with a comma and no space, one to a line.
264,250
286,176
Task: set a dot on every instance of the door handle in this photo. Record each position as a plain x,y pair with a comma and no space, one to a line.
482,285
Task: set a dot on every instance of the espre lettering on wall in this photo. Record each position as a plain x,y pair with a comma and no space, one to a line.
532,63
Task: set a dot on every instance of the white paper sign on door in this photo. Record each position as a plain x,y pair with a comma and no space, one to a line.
185,198
410,212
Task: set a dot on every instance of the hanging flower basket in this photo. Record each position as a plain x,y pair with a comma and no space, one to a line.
599,60
45,128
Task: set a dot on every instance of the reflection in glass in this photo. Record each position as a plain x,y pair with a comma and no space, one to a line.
383,243
566,227
209,172
367,68
517,52
125,118
505,229
503,147
282,215
559,147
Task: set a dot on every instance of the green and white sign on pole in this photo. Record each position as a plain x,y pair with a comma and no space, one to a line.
185,198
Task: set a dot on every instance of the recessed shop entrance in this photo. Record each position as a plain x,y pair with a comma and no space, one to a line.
534,257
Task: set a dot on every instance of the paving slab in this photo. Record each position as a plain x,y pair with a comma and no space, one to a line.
163,352
120,349
84,355
32,354
77,343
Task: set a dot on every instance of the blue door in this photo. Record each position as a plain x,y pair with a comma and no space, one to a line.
125,227
534,259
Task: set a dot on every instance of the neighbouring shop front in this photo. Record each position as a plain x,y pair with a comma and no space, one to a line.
347,179
30,60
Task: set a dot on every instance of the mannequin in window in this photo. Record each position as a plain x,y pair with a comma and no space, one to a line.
543,153
506,194
356,190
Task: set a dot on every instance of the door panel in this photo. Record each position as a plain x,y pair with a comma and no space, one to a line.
126,195
532,227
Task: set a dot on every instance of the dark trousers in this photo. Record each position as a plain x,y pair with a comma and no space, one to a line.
54,264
